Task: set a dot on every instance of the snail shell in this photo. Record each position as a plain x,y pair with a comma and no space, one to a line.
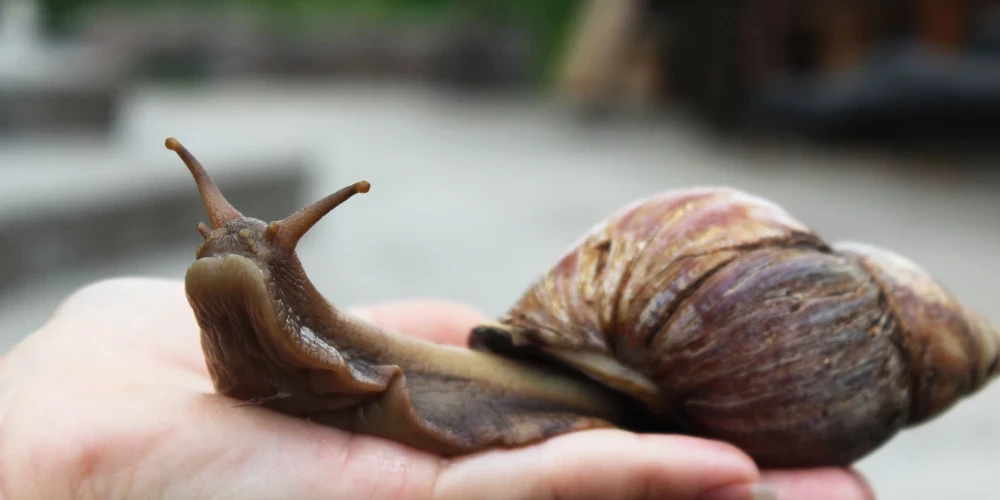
726,316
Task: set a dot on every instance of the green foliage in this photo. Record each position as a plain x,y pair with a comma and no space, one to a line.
546,20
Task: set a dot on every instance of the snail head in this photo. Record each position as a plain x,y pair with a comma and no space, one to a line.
229,232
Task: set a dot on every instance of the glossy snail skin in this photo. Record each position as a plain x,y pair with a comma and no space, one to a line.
705,311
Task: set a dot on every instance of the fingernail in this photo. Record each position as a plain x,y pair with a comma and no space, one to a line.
756,491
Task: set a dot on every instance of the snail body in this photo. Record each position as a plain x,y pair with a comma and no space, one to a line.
706,311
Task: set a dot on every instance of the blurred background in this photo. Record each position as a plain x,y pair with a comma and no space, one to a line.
494,133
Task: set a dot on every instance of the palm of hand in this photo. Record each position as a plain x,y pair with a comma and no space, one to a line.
111,399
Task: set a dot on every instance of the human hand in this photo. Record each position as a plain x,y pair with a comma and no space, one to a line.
111,399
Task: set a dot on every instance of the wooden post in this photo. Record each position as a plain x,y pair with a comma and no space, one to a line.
601,46
845,28
942,23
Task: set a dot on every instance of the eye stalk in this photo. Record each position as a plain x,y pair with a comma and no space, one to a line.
219,210
285,233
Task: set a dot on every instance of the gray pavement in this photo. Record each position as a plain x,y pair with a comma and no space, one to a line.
471,199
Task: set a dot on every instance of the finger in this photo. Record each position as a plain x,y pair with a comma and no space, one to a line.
431,319
819,484
606,464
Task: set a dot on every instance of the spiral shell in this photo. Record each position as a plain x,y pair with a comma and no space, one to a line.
727,316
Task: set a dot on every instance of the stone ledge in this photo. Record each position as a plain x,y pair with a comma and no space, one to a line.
57,87
34,110
101,207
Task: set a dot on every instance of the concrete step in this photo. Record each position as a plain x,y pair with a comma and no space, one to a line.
67,87
91,203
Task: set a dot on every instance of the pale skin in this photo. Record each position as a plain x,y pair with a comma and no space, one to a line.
110,399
